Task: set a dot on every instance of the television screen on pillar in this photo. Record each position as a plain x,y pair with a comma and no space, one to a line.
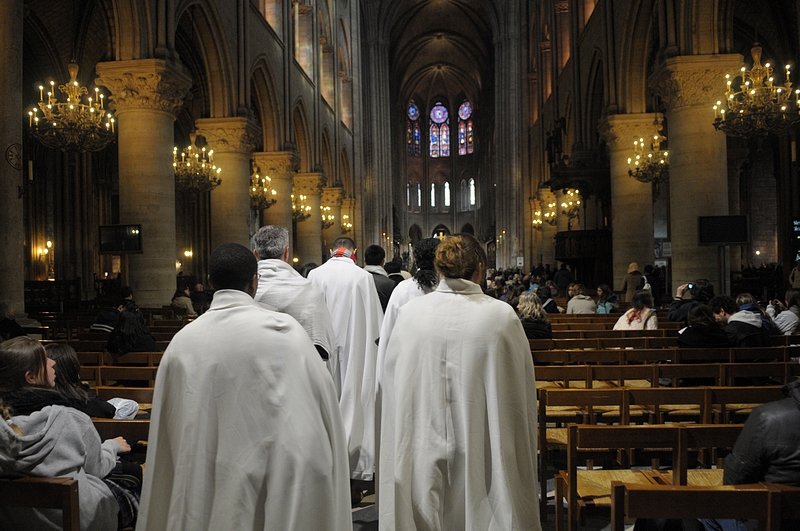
120,239
722,230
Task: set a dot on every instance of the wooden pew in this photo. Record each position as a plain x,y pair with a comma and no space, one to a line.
143,395
48,493
769,504
134,431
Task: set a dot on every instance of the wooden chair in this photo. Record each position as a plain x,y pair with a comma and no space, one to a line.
46,493
769,504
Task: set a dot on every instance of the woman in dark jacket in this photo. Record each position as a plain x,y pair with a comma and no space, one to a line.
130,334
533,317
70,386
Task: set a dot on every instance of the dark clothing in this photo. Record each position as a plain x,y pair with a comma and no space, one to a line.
397,277
26,400
745,335
679,310
550,306
535,329
562,279
9,329
768,449
384,285
633,281
703,337
118,344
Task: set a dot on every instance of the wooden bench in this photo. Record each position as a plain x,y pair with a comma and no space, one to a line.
770,504
48,493
134,431
592,488
143,395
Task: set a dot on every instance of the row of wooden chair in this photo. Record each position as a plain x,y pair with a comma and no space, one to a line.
629,339
634,355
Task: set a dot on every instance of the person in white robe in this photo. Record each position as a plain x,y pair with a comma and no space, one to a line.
458,428
245,432
356,314
283,289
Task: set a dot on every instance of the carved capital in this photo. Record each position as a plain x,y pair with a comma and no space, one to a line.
332,196
226,135
309,184
277,164
152,84
620,130
693,80
561,6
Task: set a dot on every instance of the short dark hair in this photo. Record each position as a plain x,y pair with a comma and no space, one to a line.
393,266
344,241
374,255
231,266
723,302
701,316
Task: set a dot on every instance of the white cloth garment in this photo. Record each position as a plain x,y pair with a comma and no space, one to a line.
283,289
246,432
458,428
126,408
356,314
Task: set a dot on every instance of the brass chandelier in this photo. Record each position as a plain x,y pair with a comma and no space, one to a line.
262,195
756,105
194,167
649,163
327,217
74,124
300,210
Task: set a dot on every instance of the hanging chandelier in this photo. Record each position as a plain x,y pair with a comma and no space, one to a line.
194,167
347,225
300,210
72,124
755,105
537,219
571,204
549,215
327,218
262,195
649,163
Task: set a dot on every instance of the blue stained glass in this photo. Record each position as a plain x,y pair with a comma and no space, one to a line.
465,110
439,113
444,141
413,111
434,151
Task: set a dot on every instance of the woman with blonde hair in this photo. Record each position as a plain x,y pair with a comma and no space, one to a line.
458,373
533,317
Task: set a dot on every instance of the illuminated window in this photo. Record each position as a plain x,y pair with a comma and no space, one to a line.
466,136
446,194
433,195
472,192
413,135
439,131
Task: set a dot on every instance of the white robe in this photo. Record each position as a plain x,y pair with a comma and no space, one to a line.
458,430
356,315
283,289
246,433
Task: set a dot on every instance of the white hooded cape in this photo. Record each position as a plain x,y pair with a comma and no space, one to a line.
246,432
283,289
458,428
356,315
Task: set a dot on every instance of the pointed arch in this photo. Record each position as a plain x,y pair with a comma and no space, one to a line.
301,136
344,178
326,159
265,104
633,67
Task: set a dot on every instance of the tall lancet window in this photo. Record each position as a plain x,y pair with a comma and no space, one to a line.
446,194
413,135
466,136
433,195
472,193
439,131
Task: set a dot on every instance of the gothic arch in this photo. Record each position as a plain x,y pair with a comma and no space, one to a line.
302,137
344,177
632,72
213,50
264,94
326,161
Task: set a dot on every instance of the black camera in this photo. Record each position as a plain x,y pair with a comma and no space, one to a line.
690,285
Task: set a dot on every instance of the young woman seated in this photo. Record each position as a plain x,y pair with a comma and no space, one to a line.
640,316
42,436
69,385
533,316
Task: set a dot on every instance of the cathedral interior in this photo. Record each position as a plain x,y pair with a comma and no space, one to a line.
389,121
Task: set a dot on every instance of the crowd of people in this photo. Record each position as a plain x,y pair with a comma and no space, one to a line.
289,393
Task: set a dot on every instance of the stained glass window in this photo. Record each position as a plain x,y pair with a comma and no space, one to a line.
419,195
466,139
472,192
408,196
439,131
446,194
412,130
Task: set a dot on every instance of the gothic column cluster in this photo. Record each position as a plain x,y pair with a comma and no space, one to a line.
309,230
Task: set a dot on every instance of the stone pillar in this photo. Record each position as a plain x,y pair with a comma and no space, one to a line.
309,231
280,167
332,197
689,86
147,94
12,263
232,140
349,210
631,200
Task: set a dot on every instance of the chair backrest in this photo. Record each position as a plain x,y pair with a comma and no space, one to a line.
46,493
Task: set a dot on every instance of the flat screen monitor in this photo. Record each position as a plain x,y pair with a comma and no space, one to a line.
120,239
722,230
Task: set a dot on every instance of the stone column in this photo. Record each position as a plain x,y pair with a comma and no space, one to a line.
309,231
332,197
689,86
147,94
12,263
232,140
349,210
280,167
631,200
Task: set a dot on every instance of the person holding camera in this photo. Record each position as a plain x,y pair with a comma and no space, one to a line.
687,296
786,316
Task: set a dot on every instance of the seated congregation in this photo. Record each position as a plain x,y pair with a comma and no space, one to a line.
288,397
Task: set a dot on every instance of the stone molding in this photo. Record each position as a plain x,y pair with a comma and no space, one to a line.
332,196
229,135
277,164
308,183
620,130
693,80
561,6
153,84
